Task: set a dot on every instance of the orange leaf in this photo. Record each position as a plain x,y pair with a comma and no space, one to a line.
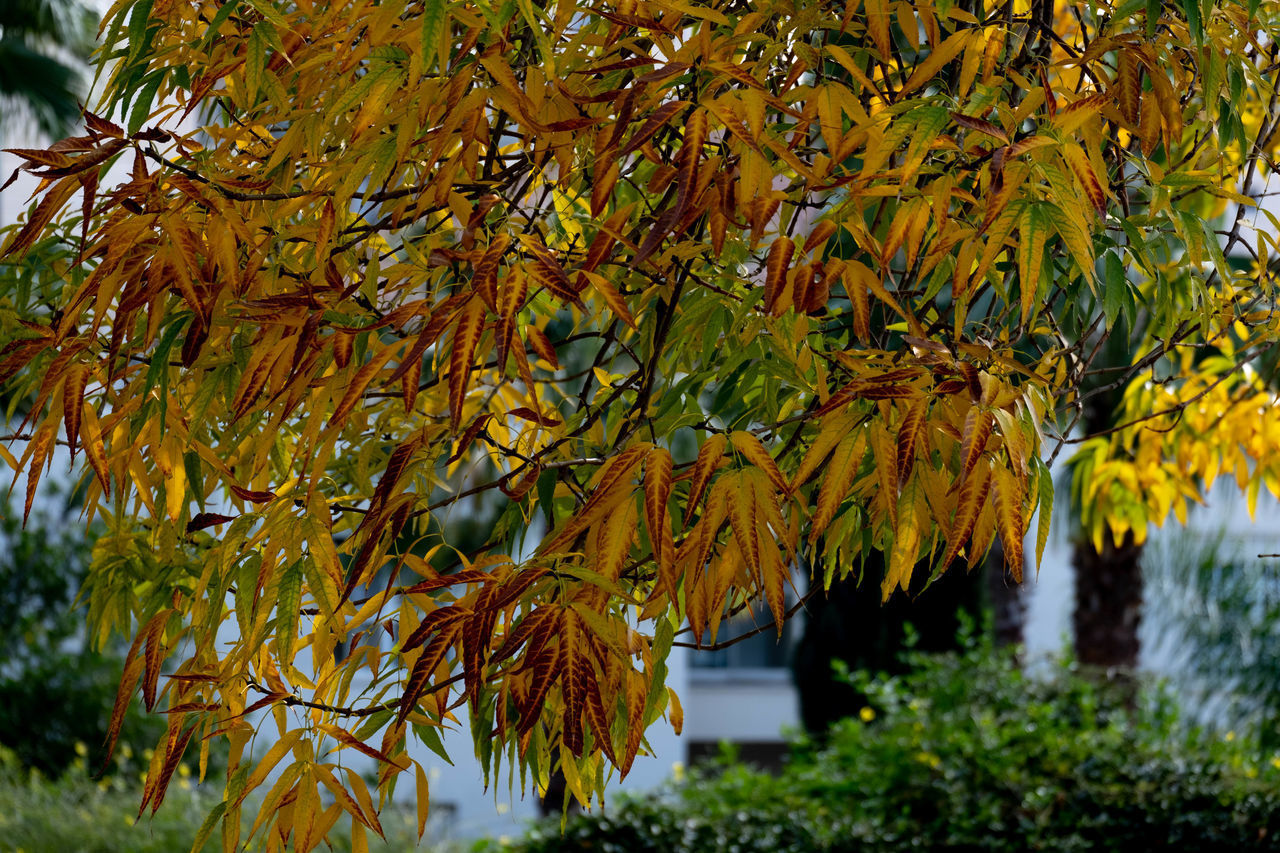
73,386
743,518
38,450
1010,491
972,498
359,384
485,278
657,491
776,274
541,345
973,441
846,458
750,447
910,435
461,356
1080,165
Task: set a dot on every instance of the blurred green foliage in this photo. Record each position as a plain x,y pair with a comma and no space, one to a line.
55,690
87,815
966,752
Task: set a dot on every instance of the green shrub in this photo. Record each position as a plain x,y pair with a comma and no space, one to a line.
967,753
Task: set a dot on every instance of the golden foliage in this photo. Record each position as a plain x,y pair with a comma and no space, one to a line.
714,290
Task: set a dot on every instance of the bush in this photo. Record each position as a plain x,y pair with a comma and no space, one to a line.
967,753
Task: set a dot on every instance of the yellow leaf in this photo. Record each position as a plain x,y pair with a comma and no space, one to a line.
1009,518
708,460
750,447
1033,235
906,543
878,27
934,62
657,491
674,711
846,458
832,429
424,799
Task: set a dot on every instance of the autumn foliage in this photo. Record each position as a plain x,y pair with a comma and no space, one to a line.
699,297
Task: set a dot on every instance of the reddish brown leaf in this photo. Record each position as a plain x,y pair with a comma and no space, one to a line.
972,499
981,126
541,345
910,435
534,417
973,441
42,216
708,460
469,436
485,279
424,668
776,274
656,120
207,519
252,496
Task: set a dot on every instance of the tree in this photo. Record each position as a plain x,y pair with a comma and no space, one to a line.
37,38
838,269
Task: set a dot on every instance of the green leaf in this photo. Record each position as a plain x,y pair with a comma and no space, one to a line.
428,735
216,22
1046,511
434,15
1154,7
1191,8
195,476
206,828
1116,283
287,603
141,108
255,64
546,488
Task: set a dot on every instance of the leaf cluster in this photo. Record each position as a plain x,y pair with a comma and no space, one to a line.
690,295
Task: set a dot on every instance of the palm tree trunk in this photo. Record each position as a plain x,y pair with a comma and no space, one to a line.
1108,608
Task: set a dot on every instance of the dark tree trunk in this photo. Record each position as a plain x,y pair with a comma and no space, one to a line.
1108,583
849,623
1108,603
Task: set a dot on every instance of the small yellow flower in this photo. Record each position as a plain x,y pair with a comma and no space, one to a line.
81,749
677,771
867,714
929,758
128,820
1251,773
1230,737
1275,762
